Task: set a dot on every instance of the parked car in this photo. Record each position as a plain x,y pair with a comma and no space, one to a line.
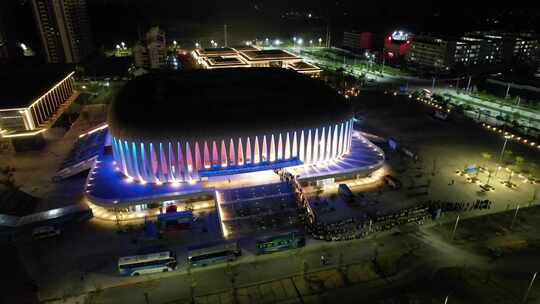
44,232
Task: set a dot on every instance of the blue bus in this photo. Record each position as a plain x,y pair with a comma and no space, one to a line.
214,254
147,263
280,242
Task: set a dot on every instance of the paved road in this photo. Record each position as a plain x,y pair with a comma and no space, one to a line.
253,269
440,85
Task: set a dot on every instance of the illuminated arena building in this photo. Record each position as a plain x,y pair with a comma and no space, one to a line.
174,133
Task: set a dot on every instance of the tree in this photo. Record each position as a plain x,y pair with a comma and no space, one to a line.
533,169
520,160
7,177
507,155
486,156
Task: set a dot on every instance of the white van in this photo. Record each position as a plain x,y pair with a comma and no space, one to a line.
44,232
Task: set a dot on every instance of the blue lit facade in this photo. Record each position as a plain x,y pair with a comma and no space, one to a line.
180,160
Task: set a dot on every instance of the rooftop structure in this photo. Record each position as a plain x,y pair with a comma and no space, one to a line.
250,56
31,101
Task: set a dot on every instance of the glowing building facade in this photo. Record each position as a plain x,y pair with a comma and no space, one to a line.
181,127
27,113
185,160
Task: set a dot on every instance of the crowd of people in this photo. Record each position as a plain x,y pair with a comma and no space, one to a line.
350,228
437,206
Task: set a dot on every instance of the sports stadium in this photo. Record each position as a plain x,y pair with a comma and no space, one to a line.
185,135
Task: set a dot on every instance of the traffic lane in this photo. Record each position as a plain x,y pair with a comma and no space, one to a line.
204,280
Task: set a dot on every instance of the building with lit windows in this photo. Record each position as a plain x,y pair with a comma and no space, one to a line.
427,51
360,41
26,113
64,29
396,45
476,49
176,134
151,53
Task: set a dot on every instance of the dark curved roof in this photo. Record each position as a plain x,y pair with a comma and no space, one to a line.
210,103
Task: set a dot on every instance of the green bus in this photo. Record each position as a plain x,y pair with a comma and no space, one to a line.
280,242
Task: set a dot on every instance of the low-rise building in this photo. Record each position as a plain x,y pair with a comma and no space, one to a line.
251,56
31,102
358,41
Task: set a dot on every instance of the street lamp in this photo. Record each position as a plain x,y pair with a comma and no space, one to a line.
310,42
174,42
506,137
300,41
277,42
197,45
123,44
320,41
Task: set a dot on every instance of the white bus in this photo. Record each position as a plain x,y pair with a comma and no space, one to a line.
148,263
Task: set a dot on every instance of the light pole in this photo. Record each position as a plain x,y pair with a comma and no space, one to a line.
506,137
320,42
489,177
514,218
529,288
455,227
433,85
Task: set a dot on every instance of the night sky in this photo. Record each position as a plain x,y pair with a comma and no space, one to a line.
248,19
186,21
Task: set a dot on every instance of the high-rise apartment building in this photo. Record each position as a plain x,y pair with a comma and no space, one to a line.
64,29
152,52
